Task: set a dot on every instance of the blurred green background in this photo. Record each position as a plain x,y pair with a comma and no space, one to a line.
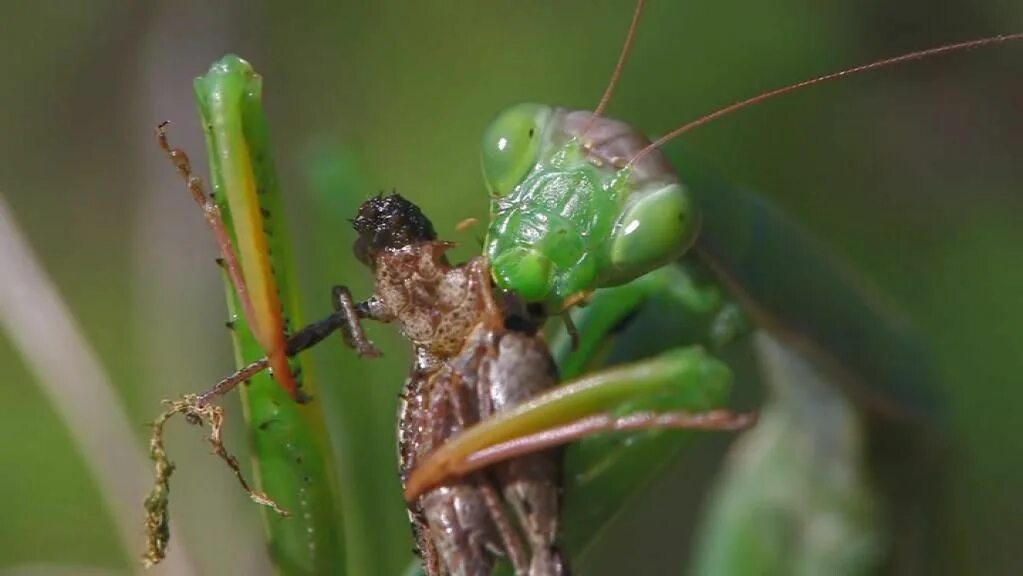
912,174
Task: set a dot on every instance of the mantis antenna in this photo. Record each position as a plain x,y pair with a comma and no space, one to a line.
912,56
622,57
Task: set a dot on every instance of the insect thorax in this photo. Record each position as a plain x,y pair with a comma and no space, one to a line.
436,304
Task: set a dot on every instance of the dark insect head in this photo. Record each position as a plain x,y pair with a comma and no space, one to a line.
389,222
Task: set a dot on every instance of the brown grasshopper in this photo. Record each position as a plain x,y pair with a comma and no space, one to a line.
473,356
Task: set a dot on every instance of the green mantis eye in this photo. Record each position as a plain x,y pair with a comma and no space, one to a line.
656,228
511,146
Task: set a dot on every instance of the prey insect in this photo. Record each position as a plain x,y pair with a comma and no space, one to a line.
472,358
477,354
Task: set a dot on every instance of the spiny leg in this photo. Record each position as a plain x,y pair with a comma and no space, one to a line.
227,384
344,318
211,213
512,543
674,389
710,316
714,420
198,408
531,484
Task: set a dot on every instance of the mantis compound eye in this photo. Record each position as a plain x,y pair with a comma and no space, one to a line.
511,146
657,228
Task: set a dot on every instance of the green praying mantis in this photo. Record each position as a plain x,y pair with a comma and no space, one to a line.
292,466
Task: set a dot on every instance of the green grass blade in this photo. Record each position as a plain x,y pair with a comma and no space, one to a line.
362,407
291,450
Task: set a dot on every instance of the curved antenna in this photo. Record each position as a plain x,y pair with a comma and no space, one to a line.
622,56
919,55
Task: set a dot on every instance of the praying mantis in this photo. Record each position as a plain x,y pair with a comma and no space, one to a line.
584,330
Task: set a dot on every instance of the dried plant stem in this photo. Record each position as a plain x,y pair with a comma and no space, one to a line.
197,410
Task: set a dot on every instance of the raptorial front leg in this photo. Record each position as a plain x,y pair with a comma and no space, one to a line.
682,389
706,314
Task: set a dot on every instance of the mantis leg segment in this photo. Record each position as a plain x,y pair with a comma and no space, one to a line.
681,380
713,420
707,314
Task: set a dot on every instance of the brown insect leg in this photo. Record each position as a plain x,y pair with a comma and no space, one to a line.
530,484
509,537
351,328
229,383
213,219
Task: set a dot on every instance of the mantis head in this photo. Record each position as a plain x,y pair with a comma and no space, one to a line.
568,213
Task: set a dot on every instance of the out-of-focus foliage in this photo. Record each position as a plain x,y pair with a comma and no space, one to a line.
794,497
913,174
